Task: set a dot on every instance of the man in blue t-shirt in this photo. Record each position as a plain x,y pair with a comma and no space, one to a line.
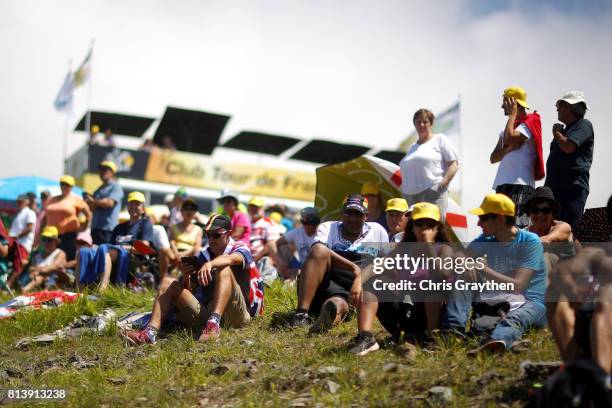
105,204
514,258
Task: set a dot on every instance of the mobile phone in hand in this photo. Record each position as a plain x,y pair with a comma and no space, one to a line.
191,260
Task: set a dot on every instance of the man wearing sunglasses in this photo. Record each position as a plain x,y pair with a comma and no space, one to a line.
330,276
515,258
221,283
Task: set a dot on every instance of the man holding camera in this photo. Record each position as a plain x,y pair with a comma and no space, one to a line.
221,283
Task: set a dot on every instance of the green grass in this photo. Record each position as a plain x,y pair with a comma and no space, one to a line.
261,364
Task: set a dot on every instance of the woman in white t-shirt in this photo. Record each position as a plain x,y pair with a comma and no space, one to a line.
429,165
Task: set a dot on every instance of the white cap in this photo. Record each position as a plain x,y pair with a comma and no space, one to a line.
574,97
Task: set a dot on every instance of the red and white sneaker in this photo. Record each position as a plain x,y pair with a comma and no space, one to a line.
211,332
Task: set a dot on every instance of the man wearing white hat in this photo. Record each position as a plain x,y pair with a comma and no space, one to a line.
571,156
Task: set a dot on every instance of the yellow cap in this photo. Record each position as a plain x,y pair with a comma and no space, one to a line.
67,180
517,93
95,128
256,201
397,204
50,232
425,210
369,188
276,217
495,204
136,196
109,164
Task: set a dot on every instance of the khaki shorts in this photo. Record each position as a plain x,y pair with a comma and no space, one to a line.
194,314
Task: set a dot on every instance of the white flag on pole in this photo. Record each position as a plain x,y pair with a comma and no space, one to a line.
63,100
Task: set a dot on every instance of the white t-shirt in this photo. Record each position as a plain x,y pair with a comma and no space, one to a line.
302,242
160,237
24,217
425,164
372,234
517,167
263,231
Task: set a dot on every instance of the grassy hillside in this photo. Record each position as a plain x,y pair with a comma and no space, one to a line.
262,364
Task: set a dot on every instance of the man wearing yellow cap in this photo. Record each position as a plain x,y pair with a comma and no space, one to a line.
518,151
96,264
396,211
105,204
47,262
513,277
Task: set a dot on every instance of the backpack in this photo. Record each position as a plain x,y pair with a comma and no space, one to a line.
579,384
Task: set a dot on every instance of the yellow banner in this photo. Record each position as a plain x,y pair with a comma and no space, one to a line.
193,170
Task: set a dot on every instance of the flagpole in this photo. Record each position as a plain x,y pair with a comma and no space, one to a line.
89,90
66,120
460,153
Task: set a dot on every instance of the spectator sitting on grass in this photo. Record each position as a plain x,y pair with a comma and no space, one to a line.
556,236
221,285
396,211
185,237
298,241
331,274
48,261
264,234
423,313
97,263
376,206
241,226
513,257
579,306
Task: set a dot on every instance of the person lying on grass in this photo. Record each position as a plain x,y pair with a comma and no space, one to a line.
330,276
221,284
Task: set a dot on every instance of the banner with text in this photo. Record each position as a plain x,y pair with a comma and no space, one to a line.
197,171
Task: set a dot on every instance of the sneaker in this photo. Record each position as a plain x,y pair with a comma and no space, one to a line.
300,320
325,320
364,345
137,337
211,332
489,345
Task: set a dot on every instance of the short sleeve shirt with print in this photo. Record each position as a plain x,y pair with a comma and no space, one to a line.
518,166
106,218
262,231
371,242
126,234
425,164
525,251
25,216
562,169
247,275
63,212
301,240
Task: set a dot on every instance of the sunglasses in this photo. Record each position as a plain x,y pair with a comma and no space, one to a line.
486,217
353,213
215,235
65,185
543,210
425,222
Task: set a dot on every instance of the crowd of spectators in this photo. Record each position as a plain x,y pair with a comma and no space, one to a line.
211,269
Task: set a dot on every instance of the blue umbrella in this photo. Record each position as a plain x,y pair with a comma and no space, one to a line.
12,187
